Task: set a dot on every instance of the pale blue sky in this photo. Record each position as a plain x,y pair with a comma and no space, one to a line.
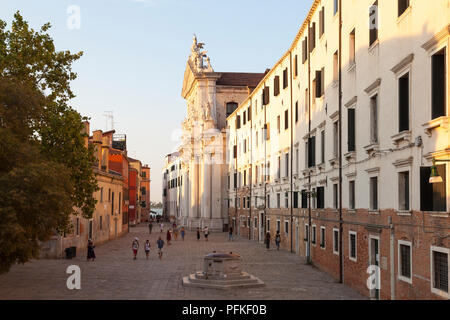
136,53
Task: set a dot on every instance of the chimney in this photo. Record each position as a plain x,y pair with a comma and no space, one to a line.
86,131
97,141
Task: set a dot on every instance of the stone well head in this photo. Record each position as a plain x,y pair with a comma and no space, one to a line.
222,266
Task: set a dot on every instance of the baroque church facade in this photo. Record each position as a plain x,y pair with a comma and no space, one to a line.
195,177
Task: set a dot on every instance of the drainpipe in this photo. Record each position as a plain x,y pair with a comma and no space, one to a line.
250,178
292,151
392,257
308,258
341,254
265,169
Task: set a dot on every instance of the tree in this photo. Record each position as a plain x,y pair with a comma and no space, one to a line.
45,167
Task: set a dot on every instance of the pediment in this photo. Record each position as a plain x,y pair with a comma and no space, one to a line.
188,81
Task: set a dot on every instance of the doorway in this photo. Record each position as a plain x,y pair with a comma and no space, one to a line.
374,260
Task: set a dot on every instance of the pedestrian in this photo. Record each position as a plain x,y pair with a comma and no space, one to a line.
90,251
230,233
169,237
206,232
278,240
147,248
162,227
198,234
183,232
135,247
160,244
175,233
267,240
150,227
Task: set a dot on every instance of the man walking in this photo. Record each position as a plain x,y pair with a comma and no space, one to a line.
160,244
206,231
162,227
230,233
150,227
278,240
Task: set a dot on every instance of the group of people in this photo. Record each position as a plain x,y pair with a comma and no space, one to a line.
205,233
135,247
277,240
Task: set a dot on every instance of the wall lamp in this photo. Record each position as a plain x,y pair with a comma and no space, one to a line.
435,177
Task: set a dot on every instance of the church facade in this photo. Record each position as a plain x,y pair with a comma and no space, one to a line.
196,196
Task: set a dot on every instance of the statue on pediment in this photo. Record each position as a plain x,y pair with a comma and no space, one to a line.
197,56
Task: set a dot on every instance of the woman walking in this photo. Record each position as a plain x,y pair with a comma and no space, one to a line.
135,247
90,252
161,226
206,231
147,248
278,240
198,234
169,237
183,232
267,240
175,232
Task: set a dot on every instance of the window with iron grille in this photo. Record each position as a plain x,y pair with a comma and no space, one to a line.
322,237
405,260
440,271
306,232
313,238
335,241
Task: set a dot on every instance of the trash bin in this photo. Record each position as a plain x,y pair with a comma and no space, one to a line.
74,251
68,253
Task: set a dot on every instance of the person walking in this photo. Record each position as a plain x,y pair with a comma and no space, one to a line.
160,244
147,248
267,240
150,227
198,234
175,233
206,232
183,232
90,251
169,237
278,240
135,247
230,233
161,226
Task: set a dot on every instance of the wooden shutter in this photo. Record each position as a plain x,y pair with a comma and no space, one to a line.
276,86
249,114
305,50
285,78
286,119
318,84
296,65
266,95
351,130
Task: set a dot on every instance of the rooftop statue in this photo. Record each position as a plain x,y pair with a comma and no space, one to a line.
197,57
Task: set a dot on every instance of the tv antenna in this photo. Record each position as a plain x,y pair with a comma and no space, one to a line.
109,116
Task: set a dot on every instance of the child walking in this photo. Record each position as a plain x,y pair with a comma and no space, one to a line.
147,248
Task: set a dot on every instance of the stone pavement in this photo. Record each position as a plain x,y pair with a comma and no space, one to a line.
114,274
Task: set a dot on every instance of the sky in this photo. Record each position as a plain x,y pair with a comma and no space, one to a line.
135,54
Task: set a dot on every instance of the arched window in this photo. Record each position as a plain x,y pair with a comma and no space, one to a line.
231,107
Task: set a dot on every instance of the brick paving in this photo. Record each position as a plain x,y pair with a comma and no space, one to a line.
114,274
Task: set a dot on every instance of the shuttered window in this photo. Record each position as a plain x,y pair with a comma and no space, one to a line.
304,199
285,78
266,95
438,84
305,50
276,86
351,130
312,37
320,197
311,152
296,112
238,122
403,102
286,119
322,22
296,65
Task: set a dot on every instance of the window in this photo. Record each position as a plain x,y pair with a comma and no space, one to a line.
231,107
278,201
306,101
312,37
320,83
286,227
374,119
336,139
352,246
268,224
373,18
322,237
109,195
314,236
311,152
438,84
266,96
276,86
440,271
351,131
322,140
279,168
267,130
336,6
256,174
238,122
296,66
304,199
297,161
403,102
278,226
374,193
286,166
351,194
278,124
335,196
296,112
101,222
286,119
295,200
322,22
320,197
248,203
352,55
404,261
402,6
256,138
286,200
306,232
78,227
245,178
433,195
101,194
268,201
285,78
335,241
403,191
305,50
244,118
249,114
